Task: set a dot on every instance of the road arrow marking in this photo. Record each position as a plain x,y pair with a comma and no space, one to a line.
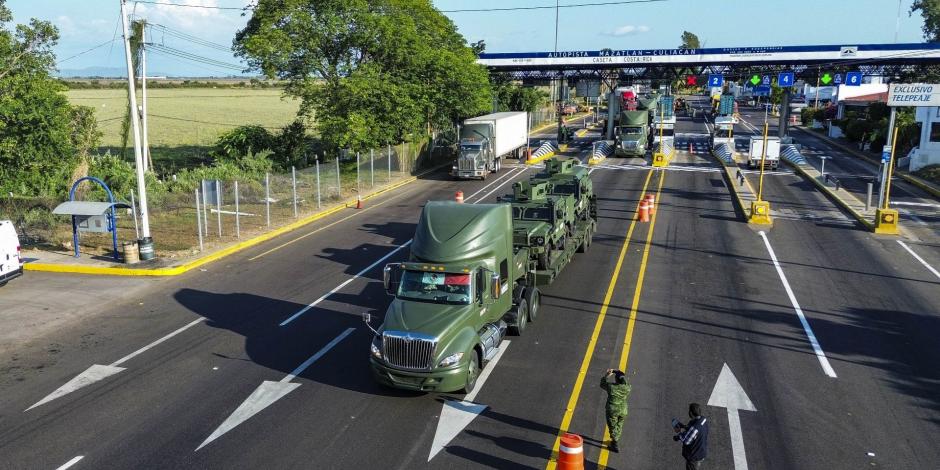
269,392
729,394
99,372
457,415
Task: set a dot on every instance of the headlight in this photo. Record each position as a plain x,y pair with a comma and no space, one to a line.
454,167
376,350
540,241
451,360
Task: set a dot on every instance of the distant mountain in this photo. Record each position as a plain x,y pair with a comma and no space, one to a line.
93,72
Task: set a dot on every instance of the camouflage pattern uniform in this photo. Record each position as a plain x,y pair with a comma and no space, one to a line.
616,409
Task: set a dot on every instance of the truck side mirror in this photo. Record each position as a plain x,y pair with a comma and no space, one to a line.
494,286
391,277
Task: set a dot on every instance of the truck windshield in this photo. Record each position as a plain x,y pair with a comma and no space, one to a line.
441,288
569,188
632,130
532,213
470,147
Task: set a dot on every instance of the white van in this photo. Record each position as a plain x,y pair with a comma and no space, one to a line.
11,265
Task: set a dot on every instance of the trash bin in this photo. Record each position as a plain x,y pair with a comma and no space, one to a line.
145,247
131,255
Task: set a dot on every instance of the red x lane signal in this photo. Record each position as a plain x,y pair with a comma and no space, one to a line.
691,80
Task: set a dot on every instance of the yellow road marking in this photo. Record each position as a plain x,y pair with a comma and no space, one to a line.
628,337
589,352
320,229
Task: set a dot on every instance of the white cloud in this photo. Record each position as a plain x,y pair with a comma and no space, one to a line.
629,30
190,18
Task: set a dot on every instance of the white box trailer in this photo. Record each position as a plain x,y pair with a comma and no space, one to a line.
486,140
757,148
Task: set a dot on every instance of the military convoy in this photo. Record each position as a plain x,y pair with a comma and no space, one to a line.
474,274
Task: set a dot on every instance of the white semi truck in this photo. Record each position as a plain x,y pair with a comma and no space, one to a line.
486,140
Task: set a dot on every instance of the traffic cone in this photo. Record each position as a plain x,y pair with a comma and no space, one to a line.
358,202
644,210
459,197
651,201
571,452
528,154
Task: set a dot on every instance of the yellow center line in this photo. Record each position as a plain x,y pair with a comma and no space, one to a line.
326,227
628,337
589,352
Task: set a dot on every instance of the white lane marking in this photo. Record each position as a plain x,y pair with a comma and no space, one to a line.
71,462
344,284
918,204
483,198
151,345
729,394
913,217
457,415
507,177
918,258
823,360
268,392
303,366
98,372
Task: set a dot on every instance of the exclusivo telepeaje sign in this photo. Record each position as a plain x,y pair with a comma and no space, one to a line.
914,94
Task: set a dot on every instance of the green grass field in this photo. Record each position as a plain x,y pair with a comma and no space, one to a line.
184,123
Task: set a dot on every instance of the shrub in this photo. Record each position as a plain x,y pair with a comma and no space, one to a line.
244,140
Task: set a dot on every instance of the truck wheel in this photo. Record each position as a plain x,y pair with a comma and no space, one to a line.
586,243
473,372
522,318
534,298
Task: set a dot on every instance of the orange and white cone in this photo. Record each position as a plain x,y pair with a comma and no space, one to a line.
644,210
459,197
358,202
571,452
651,201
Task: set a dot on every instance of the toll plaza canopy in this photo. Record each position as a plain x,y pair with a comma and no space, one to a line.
853,56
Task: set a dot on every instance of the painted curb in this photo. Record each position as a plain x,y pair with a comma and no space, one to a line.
177,270
540,158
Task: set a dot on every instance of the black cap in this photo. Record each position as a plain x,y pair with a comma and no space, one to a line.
695,410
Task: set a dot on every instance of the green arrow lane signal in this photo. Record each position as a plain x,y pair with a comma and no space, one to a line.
755,80
826,78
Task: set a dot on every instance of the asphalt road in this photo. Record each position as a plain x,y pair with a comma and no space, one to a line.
696,293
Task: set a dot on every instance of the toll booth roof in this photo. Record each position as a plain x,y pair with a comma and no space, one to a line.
87,208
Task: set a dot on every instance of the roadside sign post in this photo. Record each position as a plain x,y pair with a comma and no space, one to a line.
822,168
198,220
318,183
267,198
293,185
238,227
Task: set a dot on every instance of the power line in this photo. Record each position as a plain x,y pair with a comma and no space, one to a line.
99,46
209,122
190,5
550,7
194,57
189,37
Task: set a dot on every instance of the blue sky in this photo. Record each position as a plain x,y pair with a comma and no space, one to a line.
719,23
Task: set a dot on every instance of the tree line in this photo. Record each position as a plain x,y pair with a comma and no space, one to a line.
366,72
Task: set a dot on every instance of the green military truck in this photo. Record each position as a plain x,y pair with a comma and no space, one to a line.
567,177
463,286
544,223
472,276
632,134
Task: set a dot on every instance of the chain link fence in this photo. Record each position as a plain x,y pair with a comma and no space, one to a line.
221,212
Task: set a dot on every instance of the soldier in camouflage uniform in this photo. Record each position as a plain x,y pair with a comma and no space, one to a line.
616,409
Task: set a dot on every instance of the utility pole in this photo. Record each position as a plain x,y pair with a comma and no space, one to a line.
148,163
135,124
